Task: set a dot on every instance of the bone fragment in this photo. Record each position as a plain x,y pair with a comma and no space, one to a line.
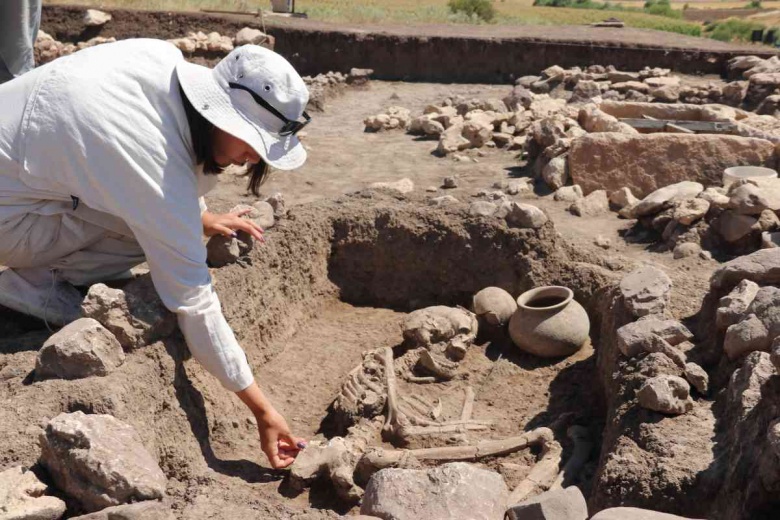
542,475
468,404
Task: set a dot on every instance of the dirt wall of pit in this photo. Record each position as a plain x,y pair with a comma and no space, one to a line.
438,54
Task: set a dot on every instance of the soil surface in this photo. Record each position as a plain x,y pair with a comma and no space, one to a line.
205,440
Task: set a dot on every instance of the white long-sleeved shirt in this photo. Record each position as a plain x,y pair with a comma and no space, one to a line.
107,125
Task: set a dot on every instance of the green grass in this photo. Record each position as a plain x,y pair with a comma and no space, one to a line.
508,12
732,29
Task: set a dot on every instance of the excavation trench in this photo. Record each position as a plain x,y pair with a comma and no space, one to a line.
334,280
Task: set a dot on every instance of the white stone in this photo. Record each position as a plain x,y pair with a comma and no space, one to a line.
81,349
664,197
404,185
688,211
568,193
646,290
594,204
555,173
556,504
250,36
622,198
95,18
525,216
732,307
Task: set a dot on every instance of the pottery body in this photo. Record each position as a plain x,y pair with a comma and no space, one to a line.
549,323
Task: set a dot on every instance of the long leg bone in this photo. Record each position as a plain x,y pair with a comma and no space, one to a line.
468,404
542,474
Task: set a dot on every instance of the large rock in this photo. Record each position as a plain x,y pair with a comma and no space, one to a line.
451,491
524,216
585,91
666,197
556,504
555,173
733,226
95,18
22,497
646,290
452,140
634,338
596,203
645,163
666,394
135,315
733,307
688,211
250,36
82,348
594,120
148,510
754,196
762,267
746,336
634,513
99,461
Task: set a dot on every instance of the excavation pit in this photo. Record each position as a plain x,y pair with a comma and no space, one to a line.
335,279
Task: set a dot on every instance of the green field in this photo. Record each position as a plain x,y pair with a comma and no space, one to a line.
516,12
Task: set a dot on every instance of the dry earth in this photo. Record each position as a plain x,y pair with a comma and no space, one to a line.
206,442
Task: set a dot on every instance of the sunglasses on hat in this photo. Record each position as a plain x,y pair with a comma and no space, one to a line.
290,127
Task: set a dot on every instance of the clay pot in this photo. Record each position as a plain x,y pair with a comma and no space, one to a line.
549,323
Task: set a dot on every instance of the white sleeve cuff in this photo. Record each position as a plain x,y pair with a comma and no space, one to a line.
203,207
212,343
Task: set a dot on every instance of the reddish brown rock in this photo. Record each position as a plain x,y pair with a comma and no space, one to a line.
645,163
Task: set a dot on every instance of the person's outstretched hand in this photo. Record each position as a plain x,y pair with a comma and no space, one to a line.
228,223
276,440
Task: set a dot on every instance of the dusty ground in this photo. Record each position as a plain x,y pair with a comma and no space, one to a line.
206,442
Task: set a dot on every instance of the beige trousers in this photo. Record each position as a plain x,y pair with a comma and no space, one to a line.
85,246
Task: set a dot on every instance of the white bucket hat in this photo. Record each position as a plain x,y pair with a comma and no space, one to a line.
255,95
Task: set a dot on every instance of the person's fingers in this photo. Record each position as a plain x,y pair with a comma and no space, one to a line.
223,230
241,212
246,226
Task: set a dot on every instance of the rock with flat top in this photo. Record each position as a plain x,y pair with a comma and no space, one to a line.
455,490
645,163
594,204
688,211
622,198
666,197
405,185
82,348
99,461
635,337
746,336
762,267
250,36
568,193
556,504
23,497
634,513
147,510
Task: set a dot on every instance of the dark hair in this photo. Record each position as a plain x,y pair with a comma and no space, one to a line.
201,131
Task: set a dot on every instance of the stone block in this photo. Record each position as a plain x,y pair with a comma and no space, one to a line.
81,349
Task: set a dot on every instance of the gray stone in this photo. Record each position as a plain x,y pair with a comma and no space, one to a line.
716,197
515,187
634,513
622,77
404,185
770,240
733,307
594,204
81,349
773,436
250,36
224,250
452,140
666,197
749,335
635,337
525,216
99,461
263,214
732,226
450,182
666,394
585,91
135,315
568,193
774,355
685,250
688,211
646,290
477,133
622,198
277,202
556,504
747,199
555,173
697,377
456,490
603,242
147,510
762,267
22,497
444,200
483,208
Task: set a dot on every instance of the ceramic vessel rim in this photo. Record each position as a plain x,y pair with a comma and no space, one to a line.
549,290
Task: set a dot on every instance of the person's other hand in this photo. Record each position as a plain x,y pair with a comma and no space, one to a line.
228,223
276,440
